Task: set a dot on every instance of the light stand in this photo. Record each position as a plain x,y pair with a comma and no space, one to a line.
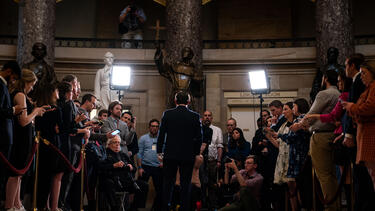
261,109
259,84
120,77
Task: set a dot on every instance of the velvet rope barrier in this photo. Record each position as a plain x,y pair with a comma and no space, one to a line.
28,162
66,161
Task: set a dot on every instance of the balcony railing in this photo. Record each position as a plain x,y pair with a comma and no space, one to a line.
207,44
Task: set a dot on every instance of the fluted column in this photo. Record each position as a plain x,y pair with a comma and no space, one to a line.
36,23
334,28
183,20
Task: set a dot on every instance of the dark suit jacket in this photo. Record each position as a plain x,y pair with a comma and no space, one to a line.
355,91
182,131
6,120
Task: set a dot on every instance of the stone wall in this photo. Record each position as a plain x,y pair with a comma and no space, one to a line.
253,19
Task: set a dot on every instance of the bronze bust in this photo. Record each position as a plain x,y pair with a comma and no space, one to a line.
45,73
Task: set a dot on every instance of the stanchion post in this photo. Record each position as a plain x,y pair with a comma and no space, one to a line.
97,196
37,138
313,189
352,185
82,174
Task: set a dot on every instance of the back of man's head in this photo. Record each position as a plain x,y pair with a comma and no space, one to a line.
331,76
182,98
13,65
357,59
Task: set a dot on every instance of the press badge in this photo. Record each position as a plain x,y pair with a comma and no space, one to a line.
154,147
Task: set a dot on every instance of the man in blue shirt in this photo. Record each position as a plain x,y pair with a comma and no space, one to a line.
148,163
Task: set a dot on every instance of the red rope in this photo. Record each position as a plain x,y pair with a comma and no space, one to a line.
28,161
66,161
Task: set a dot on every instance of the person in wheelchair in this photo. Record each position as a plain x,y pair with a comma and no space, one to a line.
116,173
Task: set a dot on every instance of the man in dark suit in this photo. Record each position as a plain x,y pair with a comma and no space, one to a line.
8,75
180,134
362,181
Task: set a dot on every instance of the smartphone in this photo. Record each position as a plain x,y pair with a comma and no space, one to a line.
115,132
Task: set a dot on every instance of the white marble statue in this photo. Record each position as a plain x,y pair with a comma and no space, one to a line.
102,91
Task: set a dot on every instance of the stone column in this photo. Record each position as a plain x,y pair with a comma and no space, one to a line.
183,23
36,23
334,27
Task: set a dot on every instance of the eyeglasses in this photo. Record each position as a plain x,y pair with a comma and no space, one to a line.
154,126
229,125
115,142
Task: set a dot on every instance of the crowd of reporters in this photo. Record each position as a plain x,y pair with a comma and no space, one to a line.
230,173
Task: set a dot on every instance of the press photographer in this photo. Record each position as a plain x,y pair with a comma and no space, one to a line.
250,182
131,20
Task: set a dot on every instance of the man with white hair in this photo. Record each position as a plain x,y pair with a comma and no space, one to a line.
102,91
117,176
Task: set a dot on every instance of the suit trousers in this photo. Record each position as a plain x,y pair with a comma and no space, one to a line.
156,174
322,160
169,178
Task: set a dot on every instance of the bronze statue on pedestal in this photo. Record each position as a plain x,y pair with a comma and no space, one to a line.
181,74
